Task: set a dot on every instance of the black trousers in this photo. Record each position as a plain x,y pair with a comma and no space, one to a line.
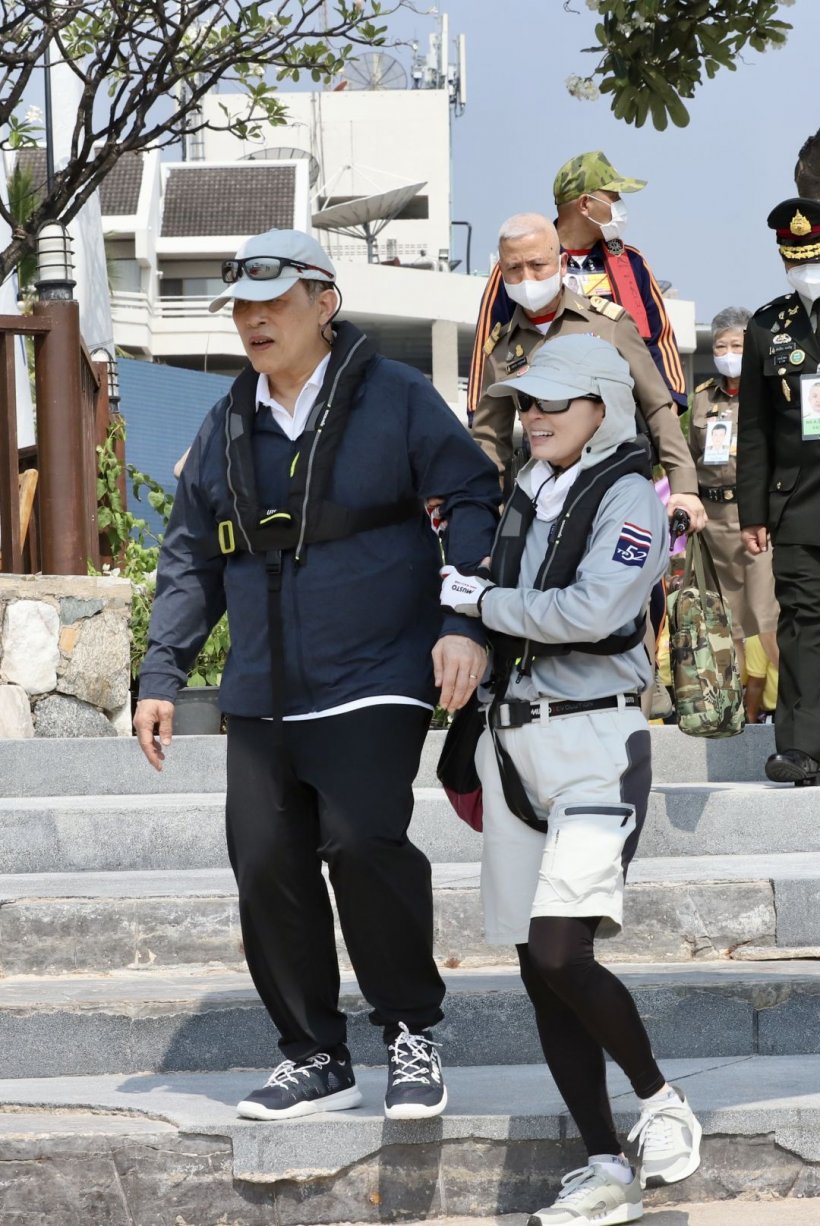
338,790
797,587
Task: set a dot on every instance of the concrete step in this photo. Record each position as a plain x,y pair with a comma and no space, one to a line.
93,766
103,833
205,1020
697,907
169,1149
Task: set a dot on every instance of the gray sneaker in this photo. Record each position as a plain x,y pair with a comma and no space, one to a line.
591,1197
668,1137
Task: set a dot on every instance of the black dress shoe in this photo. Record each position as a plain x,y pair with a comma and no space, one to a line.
793,766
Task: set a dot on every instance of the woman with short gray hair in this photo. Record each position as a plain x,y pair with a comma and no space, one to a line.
746,582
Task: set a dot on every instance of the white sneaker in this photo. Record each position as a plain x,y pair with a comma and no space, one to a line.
668,1136
591,1197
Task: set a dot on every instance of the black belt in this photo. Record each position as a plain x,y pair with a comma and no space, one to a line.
516,713
718,493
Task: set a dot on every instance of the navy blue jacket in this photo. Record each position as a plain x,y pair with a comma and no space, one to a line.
361,614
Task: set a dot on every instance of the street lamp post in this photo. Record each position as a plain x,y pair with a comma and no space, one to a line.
60,454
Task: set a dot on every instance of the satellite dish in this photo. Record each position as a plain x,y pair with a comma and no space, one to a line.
366,216
286,153
375,70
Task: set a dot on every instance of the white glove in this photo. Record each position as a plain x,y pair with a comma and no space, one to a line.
463,593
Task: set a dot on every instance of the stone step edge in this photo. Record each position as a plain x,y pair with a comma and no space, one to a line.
188,986
456,875
733,1096
168,800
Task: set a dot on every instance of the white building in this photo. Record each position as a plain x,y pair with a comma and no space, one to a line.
168,226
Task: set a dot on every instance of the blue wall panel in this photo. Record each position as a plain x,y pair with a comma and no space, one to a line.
163,406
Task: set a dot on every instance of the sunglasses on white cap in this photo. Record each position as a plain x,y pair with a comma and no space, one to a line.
265,268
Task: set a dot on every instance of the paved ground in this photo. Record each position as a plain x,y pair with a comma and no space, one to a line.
722,1213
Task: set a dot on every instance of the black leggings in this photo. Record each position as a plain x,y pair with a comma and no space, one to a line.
583,1011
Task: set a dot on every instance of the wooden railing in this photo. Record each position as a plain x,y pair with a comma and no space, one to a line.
71,393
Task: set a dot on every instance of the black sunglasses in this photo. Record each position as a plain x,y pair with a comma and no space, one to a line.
524,402
264,268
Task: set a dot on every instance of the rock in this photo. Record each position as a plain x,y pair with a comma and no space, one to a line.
58,715
98,669
15,713
121,718
72,609
30,650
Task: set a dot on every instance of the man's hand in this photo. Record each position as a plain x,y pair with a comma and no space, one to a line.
755,539
152,715
694,508
462,592
459,665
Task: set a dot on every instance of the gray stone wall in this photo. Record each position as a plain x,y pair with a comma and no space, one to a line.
64,656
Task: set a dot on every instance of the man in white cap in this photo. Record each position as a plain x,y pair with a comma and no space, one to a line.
565,760
301,509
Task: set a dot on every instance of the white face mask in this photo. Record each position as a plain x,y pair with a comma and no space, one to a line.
806,280
533,296
729,364
615,227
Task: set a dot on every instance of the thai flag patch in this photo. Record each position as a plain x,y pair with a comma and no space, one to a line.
633,545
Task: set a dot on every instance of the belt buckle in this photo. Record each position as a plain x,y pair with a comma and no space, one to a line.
504,716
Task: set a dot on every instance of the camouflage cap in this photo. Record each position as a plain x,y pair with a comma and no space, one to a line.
590,172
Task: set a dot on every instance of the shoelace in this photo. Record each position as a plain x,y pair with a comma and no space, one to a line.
575,1183
285,1073
653,1130
418,1062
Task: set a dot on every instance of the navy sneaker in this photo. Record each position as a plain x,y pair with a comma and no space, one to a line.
415,1086
302,1087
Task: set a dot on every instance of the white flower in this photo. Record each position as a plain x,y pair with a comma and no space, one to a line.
595,5
34,115
582,87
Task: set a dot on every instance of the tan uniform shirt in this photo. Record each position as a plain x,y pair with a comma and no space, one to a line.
746,582
495,416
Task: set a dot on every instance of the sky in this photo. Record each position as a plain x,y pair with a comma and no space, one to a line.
701,222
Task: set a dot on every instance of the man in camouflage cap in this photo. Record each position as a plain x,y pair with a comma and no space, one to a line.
778,479
588,173
591,219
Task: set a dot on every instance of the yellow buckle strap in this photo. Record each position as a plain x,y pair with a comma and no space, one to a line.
225,536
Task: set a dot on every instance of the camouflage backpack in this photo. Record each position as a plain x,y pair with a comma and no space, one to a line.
705,676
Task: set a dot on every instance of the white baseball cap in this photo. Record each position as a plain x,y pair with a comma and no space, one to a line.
302,259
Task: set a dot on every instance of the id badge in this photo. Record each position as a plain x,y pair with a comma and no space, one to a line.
810,406
718,443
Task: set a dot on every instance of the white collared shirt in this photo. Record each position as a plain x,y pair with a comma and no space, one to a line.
292,424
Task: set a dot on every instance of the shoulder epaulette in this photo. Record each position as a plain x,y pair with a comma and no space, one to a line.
604,307
775,302
701,387
493,339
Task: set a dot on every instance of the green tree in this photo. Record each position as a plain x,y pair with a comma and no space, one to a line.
145,68
654,53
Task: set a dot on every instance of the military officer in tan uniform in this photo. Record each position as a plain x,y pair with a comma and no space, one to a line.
747,582
778,475
533,268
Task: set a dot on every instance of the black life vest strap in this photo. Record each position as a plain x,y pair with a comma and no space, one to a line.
279,529
515,794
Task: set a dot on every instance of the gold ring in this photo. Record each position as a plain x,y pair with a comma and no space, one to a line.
474,676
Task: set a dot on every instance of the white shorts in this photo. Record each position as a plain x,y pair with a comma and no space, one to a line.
589,775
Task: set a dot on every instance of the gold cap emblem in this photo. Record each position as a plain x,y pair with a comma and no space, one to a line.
799,224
